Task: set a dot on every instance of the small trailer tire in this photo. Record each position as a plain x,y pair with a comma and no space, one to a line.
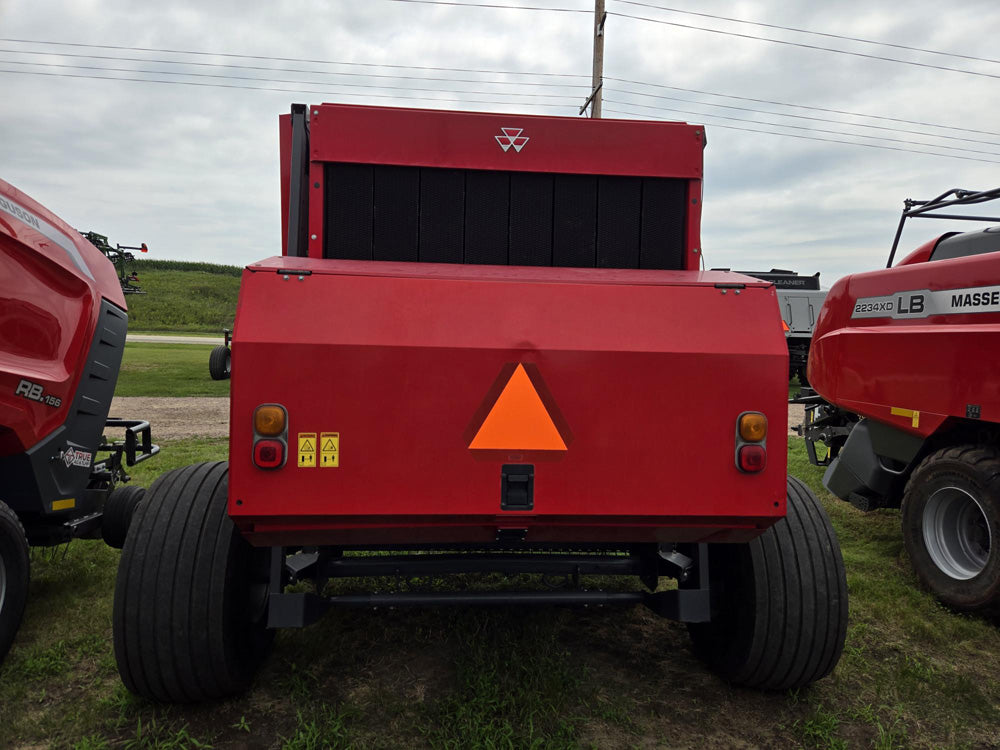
119,510
14,573
220,363
779,616
951,526
190,605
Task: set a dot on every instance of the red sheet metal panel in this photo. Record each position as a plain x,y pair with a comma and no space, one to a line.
925,351
486,140
510,143
643,374
51,283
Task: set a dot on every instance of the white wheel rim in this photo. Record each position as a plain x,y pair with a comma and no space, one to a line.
956,533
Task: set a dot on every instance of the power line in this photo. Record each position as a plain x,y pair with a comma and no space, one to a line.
772,40
822,140
802,127
808,31
497,93
491,5
285,90
287,70
802,106
430,78
487,93
290,59
802,45
287,80
470,101
814,119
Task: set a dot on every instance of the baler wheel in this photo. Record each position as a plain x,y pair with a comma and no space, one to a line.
783,601
190,603
220,363
118,513
951,526
14,573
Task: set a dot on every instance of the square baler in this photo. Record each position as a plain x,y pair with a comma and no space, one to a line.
487,346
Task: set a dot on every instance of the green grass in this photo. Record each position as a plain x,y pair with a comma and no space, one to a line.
912,675
168,370
184,297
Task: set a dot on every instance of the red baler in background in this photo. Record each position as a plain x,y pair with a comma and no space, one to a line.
62,334
906,367
487,347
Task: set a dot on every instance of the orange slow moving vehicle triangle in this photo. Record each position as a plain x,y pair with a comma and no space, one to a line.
518,420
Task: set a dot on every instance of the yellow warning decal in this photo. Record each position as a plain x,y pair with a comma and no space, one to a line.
329,449
913,415
69,502
307,450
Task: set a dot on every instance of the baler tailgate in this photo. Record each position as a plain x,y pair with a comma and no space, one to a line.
597,398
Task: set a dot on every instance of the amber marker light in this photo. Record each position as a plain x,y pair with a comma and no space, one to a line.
753,427
269,420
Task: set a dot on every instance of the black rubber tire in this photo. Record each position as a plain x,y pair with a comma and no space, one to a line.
974,470
15,566
781,616
190,599
220,363
119,511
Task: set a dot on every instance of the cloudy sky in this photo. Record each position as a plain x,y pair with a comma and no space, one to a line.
192,170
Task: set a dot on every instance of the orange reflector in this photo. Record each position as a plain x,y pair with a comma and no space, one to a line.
753,427
269,420
518,420
784,326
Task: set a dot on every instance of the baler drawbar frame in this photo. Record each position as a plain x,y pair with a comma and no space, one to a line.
687,563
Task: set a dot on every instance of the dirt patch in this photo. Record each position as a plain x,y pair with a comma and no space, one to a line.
177,418
796,413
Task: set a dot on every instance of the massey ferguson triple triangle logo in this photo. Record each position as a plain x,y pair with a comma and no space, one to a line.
511,137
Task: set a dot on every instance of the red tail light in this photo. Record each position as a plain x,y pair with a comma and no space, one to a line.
269,454
752,458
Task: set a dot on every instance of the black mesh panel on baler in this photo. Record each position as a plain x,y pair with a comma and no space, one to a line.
434,215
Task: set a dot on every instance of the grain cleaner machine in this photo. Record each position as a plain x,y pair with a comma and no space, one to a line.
487,347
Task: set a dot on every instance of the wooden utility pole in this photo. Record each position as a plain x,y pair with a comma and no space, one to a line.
597,82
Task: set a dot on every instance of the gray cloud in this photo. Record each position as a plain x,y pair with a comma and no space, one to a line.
193,171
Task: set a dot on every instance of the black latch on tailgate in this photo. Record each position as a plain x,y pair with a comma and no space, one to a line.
517,487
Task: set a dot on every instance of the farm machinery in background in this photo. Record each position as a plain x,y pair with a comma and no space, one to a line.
220,360
487,347
905,364
799,299
62,334
121,258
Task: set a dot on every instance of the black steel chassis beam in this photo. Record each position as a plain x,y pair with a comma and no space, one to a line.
689,602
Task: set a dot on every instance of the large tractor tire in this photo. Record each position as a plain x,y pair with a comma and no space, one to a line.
781,616
220,363
119,509
14,574
951,526
190,603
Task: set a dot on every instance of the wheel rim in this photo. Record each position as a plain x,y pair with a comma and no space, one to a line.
956,533
229,363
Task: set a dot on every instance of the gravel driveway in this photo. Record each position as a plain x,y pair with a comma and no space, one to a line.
178,418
